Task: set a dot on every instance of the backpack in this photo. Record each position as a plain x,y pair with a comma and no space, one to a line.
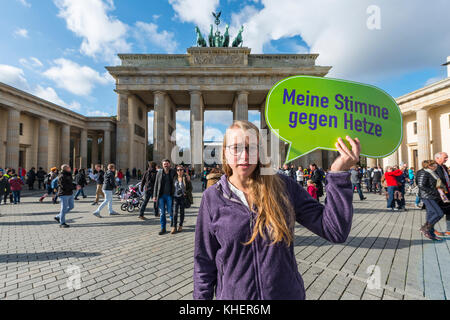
47,179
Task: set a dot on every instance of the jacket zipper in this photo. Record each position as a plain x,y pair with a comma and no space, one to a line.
253,246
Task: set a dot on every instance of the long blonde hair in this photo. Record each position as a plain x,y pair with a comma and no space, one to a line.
275,211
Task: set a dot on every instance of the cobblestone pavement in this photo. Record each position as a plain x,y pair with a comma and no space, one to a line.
122,257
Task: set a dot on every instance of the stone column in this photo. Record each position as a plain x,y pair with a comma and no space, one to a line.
12,139
390,161
83,148
265,133
240,111
371,162
94,151
122,134
423,136
65,144
107,149
43,144
159,124
197,122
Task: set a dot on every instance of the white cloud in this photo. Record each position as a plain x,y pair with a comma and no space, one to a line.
195,11
31,63
97,113
219,117
213,134
21,32
183,136
13,76
433,80
50,95
79,80
163,39
103,35
25,3
184,116
410,37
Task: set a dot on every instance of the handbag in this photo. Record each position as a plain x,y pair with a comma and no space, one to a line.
187,202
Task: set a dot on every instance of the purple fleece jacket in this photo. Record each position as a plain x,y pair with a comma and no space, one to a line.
233,271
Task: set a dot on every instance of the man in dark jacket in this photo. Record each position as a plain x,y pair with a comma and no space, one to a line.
442,171
40,176
65,193
4,186
31,178
147,185
99,178
163,193
109,184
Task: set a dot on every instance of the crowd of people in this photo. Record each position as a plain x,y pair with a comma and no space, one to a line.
169,188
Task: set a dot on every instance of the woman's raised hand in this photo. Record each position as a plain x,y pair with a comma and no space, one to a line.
347,158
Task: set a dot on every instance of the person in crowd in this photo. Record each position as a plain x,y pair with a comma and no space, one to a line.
392,187
204,178
300,176
134,173
411,176
401,182
148,183
213,177
4,186
262,256
376,180
370,179
66,186
80,180
127,176
355,178
120,177
139,174
443,173
99,177
311,188
31,178
54,185
40,176
427,181
16,187
8,174
109,184
163,193
182,187
317,178
48,184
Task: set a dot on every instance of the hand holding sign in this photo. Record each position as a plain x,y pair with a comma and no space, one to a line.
312,113
347,158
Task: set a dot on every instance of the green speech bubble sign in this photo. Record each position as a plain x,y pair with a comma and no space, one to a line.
311,113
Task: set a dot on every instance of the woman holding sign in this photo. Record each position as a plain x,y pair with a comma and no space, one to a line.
244,241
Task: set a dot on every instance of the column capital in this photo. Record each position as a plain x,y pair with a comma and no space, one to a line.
195,91
123,92
243,92
159,92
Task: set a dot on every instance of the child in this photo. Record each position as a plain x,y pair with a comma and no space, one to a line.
312,189
16,187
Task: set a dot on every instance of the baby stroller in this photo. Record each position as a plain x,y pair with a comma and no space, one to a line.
132,198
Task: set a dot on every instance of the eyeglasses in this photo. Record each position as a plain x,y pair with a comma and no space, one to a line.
237,149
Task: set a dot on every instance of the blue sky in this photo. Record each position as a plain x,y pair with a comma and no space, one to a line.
57,49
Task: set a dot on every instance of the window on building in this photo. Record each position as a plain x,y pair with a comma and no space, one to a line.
415,127
21,129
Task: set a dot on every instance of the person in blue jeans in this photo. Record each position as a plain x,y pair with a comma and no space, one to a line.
65,193
163,193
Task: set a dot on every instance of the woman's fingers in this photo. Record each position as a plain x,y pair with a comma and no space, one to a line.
355,148
342,147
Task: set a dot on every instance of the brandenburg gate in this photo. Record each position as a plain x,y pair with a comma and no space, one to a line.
206,78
